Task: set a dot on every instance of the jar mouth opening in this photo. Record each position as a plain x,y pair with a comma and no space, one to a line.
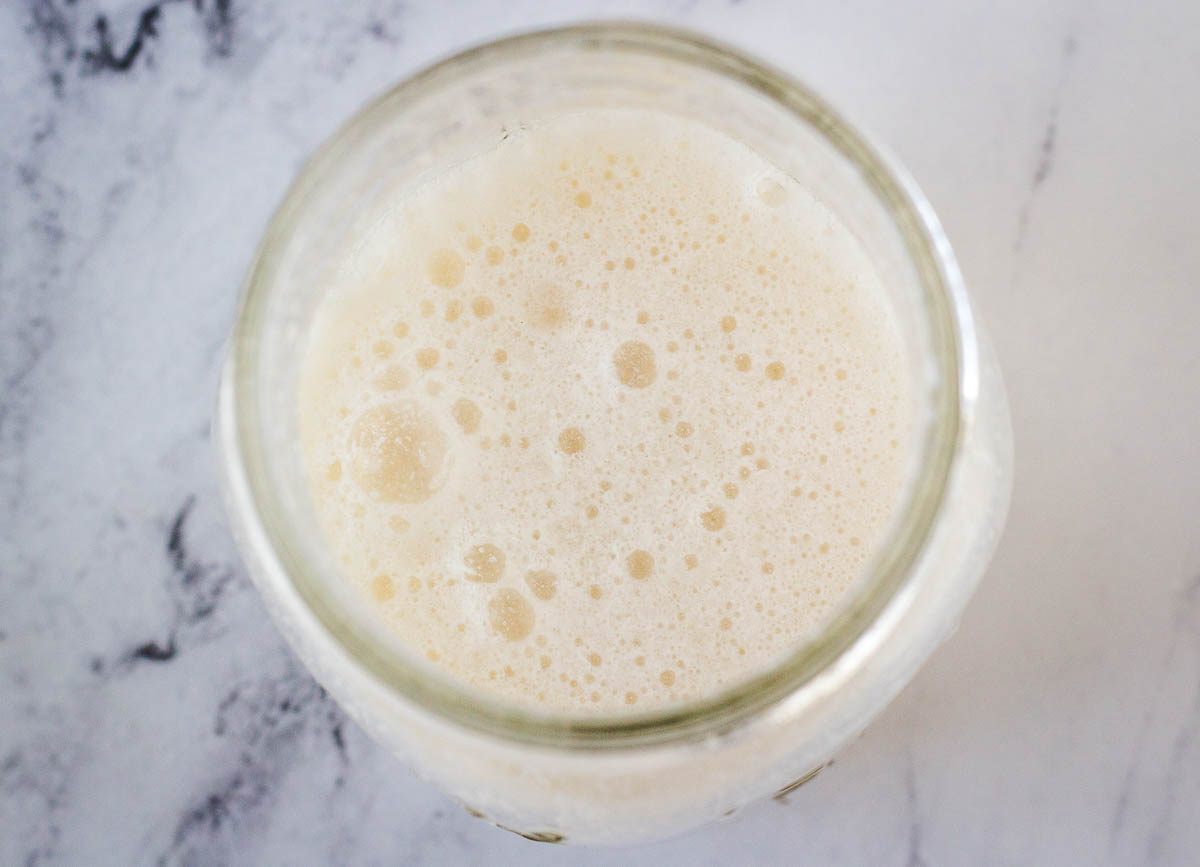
251,494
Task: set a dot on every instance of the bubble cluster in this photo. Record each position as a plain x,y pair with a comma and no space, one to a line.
397,451
542,584
634,363
617,417
485,563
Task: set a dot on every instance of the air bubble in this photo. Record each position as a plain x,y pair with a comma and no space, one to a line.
713,519
382,588
542,584
771,192
547,309
511,614
571,440
466,413
634,363
640,564
485,563
446,268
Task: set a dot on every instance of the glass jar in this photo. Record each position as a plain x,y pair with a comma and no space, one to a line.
619,779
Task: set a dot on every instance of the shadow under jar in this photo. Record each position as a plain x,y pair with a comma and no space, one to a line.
616,777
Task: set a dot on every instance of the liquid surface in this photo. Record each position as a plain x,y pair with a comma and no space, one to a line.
608,417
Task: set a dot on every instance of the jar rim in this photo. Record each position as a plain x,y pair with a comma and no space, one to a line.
954,347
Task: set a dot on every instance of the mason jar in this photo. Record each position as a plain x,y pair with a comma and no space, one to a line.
596,779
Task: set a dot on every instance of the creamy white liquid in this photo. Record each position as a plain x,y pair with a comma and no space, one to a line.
610,416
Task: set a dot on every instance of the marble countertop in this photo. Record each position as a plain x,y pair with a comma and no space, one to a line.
150,713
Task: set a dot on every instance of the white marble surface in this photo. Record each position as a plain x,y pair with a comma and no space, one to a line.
150,714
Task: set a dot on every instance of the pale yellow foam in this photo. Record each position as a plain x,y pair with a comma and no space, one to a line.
621,411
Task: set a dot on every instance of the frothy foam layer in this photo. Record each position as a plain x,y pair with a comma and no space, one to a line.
611,415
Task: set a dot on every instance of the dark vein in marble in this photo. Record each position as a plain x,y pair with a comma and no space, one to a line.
54,31
202,582
914,857
34,773
268,722
1188,604
104,56
196,586
1178,763
176,551
27,333
1049,143
383,23
34,338
379,29
218,25
152,651
1117,822
39,774
193,841
66,33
